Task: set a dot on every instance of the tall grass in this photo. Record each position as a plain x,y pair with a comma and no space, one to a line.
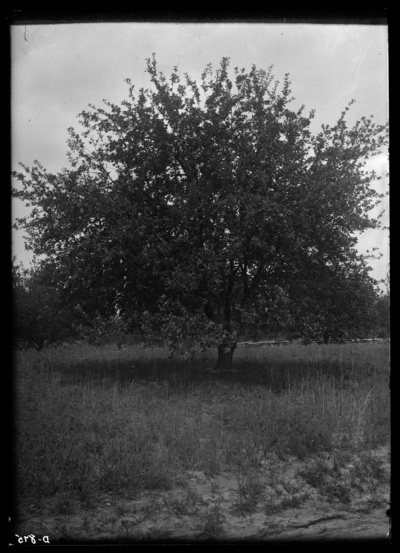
92,420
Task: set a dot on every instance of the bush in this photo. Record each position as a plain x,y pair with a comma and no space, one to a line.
382,333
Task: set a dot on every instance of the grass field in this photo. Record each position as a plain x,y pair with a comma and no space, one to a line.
92,421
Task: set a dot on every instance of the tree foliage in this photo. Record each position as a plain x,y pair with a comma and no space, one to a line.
197,211
39,318
42,318
382,312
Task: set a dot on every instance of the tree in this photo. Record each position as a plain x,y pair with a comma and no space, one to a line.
39,318
345,306
199,211
382,309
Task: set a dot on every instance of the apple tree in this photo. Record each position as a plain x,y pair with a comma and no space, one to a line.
197,210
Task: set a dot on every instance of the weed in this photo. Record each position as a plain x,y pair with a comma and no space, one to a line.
152,507
316,474
192,497
64,506
64,531
272,508
293,502
289,488
376,501
122,510
87,495
249,493
368,473
179,507
338,491
127,528
214,487
215,519
85,523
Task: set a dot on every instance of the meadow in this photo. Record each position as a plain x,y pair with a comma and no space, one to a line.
98,421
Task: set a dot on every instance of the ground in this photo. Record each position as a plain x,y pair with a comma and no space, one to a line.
133,446
212,508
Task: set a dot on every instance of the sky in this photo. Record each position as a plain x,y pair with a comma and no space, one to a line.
58,70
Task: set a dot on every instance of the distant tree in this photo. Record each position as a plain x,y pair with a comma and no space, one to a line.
351,302
39,318
199,211
382,307
100,330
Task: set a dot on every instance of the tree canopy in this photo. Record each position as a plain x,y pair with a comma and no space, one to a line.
39,319
197,211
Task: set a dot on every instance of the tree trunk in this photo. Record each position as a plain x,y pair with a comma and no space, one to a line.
225,354
229,339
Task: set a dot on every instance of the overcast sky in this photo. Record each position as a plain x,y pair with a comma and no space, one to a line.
57,70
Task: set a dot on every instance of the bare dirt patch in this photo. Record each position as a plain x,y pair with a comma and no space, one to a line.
323,498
